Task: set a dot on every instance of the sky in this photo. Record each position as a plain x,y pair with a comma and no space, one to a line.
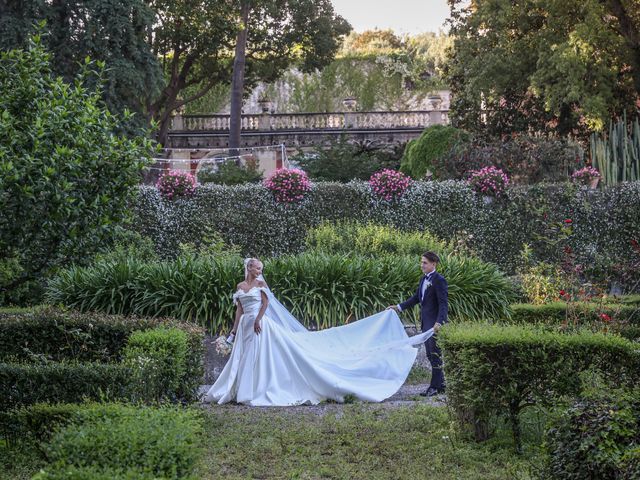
402,16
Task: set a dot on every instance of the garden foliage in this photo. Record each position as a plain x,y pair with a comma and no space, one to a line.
321,290
604,223
345,161
51,355
497,371
435,142
596,438
126,442
66,179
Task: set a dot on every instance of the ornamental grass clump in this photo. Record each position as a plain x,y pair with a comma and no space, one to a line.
489,181
176,184
389,184
288,185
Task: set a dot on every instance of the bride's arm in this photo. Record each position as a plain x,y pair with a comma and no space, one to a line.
265,302
236,322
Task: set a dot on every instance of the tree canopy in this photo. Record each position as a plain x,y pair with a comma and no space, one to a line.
112,31
545,65
65,178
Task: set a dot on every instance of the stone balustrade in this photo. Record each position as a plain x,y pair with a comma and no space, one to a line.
313,121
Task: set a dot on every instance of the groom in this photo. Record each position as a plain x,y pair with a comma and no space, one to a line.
432,295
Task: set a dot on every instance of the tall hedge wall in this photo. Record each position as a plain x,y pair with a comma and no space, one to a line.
604,222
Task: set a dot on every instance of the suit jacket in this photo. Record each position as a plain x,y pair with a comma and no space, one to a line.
435,303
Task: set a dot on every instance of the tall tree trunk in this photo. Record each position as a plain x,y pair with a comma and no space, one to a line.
629,30
237,81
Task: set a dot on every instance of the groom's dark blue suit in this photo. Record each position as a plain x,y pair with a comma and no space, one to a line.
434,305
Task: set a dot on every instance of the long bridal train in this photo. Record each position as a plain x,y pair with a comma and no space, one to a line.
288,365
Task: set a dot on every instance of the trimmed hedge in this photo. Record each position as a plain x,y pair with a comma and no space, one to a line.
158,359
320,290
161,442
23,384
625,317
596,439
604,221
96,441
496,371
52,334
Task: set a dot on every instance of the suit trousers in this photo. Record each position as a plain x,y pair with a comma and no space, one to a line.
434,355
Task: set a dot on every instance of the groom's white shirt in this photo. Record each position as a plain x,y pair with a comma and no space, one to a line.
425,284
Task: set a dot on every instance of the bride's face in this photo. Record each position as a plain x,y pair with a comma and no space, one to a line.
255,268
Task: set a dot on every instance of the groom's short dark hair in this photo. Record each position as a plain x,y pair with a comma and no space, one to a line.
431,256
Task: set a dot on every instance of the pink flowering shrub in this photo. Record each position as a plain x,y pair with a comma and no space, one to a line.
489,181
389,184
585,175
176,184
288,185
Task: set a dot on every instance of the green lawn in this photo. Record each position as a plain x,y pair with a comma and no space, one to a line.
355,441
350,442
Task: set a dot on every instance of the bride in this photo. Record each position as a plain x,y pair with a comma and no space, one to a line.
276,361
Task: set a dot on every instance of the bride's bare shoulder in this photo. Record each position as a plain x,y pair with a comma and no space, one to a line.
242,285
262,283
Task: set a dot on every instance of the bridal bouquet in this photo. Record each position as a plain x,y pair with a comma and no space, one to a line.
223,347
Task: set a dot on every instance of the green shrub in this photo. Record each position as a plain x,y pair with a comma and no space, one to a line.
346,160
321,290
435,142
604,222
230,173
35,422
163,442
24,384
371,239
93,473
526,160
623,319
595,439
55,334
158,359
63,164
497,371
52,335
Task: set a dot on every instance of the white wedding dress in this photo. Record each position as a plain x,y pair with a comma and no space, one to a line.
288,365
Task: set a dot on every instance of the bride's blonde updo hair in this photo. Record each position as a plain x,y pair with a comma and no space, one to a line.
248,261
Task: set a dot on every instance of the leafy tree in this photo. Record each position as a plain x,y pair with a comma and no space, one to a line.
379,77
194,41
274,34
371,42
347,160
543,65
434,143
112,31
230,173
65,177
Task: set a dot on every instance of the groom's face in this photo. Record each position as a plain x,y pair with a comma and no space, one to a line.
427,266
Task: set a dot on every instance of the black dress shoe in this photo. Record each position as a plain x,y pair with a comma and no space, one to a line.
432,392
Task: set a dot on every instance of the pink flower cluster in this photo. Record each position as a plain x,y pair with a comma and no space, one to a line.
489,181
585,174
389,184
176,184
288,185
